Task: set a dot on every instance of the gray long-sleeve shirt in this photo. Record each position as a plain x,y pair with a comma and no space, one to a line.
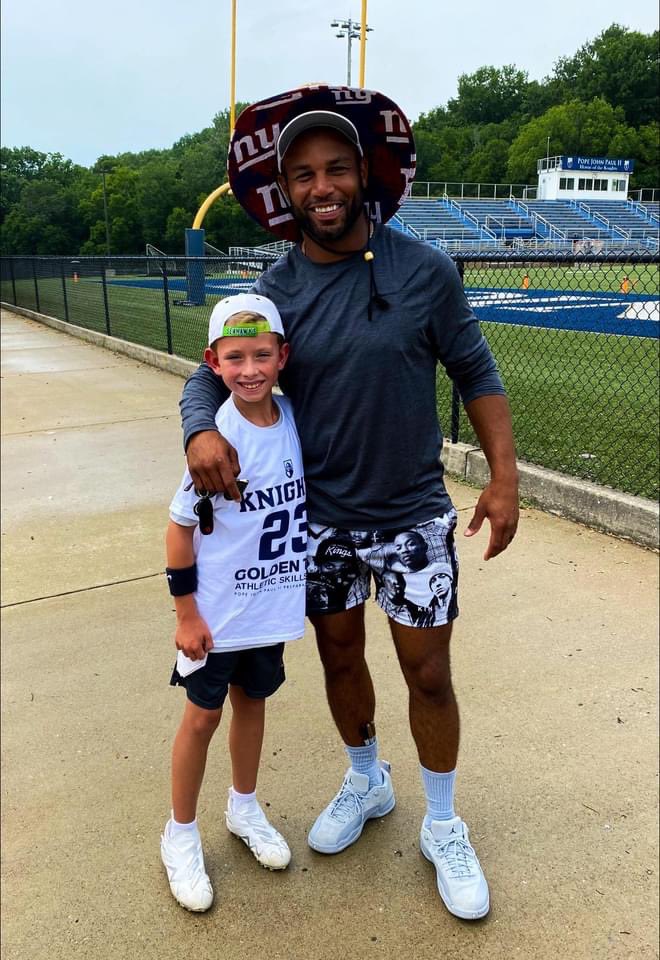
364,393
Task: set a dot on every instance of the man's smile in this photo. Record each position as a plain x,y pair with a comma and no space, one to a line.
325,209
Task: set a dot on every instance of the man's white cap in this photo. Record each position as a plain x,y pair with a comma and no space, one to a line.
220,324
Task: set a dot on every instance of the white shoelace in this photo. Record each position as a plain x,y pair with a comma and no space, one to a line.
346,804
458,854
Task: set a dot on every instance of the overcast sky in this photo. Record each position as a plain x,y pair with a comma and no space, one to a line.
86,78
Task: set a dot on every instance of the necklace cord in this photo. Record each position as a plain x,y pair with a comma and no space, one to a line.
375,298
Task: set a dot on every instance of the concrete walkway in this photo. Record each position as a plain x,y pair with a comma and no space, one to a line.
554,662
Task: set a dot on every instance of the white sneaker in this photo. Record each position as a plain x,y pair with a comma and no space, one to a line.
461,881
342,821
269,847
182,855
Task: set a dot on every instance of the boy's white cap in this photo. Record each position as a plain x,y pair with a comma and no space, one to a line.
224,310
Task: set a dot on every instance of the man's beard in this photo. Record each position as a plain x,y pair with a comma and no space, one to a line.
331,234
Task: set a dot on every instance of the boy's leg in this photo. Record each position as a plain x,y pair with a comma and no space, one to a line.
181,845
259,674
189,758
246,734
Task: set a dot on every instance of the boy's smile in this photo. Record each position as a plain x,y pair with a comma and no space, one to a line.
249,367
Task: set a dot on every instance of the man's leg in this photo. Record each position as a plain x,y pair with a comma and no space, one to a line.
444,840
424,657
367,788
340,638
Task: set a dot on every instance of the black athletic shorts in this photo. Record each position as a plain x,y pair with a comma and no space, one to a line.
258,671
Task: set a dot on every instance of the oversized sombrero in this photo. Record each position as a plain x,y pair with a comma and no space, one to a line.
385,139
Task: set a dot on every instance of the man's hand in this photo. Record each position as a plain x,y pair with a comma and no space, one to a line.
193,637
499,504
213,464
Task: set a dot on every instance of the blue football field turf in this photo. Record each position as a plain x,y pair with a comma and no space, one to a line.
634,315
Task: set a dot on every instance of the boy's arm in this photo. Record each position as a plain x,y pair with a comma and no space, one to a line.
192,636
212,461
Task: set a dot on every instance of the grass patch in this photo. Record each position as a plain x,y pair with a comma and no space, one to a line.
582,403
585,404
594,277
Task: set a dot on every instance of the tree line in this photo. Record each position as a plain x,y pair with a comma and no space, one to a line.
603,101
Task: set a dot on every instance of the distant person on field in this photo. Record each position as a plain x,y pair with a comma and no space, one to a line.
237,574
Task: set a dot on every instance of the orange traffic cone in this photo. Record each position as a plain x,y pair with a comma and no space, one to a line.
626,285
525,283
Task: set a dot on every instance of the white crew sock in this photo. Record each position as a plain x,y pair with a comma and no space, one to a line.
176,827
365,760
439,790
242,802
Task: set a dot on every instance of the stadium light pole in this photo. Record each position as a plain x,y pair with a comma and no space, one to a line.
351,29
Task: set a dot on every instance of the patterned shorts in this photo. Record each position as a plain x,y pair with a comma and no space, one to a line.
415,571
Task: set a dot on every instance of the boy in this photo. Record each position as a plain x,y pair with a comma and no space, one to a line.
238,579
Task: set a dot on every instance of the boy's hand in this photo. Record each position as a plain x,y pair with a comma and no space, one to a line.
213,464
193,637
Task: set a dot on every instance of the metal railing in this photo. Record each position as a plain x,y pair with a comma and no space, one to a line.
552,230
467,190
575,336
500,191
504,223
406,227
466,215
648,194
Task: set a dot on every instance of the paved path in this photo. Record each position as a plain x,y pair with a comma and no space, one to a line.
555,665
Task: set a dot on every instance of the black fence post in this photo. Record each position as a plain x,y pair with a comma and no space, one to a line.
168,319
13,279
64,296
455,395
36,285
455,413
105,300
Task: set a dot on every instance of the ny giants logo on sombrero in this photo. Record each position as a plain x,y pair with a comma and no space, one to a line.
384,133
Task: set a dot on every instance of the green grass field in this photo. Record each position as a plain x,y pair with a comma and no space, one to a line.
585,404
597,277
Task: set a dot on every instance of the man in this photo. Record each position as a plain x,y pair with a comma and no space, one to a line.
368,312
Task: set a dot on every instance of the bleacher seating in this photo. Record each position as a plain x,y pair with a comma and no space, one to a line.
432,220
619,214
452,223
499,217
571,223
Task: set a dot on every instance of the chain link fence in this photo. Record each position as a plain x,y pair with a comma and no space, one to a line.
575,338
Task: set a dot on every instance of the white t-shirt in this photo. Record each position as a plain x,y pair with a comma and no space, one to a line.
251,568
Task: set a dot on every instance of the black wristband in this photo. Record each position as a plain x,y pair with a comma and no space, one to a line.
181,581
